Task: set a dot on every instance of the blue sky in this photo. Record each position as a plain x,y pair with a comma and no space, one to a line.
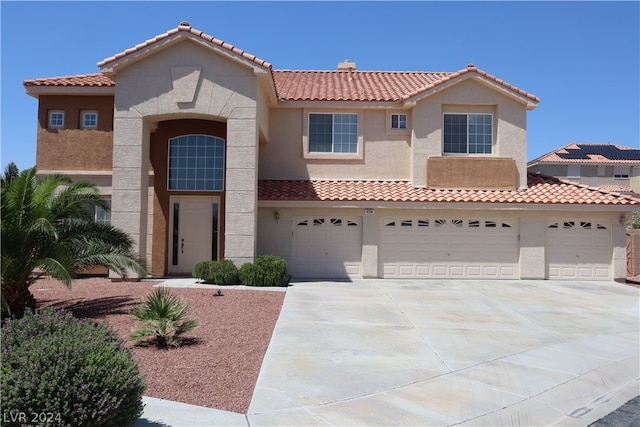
581,58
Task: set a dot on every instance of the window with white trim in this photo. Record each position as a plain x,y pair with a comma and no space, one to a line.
333,133
89,120
56,119
467,133
398,121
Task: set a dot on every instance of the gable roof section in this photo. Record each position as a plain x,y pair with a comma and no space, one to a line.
183,29
295,85
542,189
381,86
579,153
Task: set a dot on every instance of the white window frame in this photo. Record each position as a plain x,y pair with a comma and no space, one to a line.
621,172
401,121
50,123
468,114
83,122
307,154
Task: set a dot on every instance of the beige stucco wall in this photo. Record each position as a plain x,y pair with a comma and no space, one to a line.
384,157
147,91
509,121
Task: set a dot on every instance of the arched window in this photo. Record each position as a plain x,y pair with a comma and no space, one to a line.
196,162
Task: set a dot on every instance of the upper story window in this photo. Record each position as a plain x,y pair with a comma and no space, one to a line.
333,133
620,172
89,120
196,162
398,121
468,133
56,119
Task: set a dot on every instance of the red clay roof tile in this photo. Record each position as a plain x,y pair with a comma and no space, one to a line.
82,80
542,190
186,28
301,85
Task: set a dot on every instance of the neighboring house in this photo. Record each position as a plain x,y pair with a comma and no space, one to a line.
606,166
206,151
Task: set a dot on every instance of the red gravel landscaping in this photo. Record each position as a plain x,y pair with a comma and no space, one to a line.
219,364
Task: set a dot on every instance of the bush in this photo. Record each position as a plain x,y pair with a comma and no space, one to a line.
222,272
165,317
267,270
67,371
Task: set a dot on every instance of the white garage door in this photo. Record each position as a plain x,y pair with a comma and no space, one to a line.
450,247
327,247
578,249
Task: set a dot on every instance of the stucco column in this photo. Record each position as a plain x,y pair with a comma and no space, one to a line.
370,241
619,255
241,187
130,183
532,246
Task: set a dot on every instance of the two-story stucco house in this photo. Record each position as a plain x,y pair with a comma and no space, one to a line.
207,151
608,166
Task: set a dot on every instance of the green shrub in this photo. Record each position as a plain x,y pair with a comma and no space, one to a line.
203,270
67,371
165,317
226,273
222,272
267,270
250,274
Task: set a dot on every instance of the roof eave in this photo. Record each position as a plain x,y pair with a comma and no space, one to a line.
111,66
529,101
37,91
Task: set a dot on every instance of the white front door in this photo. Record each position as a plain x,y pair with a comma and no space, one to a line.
194,228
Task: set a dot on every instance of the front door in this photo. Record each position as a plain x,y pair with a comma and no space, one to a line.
194,228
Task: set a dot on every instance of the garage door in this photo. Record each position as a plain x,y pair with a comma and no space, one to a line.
475,248
327,247
577,249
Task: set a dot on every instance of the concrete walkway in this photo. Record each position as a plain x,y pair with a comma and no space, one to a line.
443,352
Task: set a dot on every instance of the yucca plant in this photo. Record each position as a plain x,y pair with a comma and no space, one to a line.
165,317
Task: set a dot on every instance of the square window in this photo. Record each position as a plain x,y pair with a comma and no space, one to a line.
56,119
90,120
333,133
398,121
467,133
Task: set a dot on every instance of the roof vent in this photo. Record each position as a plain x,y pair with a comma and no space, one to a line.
346,65
471,66
185,24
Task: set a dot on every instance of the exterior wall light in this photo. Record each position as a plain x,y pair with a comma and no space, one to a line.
276,215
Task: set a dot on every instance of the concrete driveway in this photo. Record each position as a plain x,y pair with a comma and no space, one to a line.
445,352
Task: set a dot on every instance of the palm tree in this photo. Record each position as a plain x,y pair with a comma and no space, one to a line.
47,229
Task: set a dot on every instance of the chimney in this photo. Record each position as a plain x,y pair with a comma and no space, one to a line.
346,65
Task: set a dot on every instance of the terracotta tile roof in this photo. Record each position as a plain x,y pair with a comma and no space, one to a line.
542,190
82,80
185,27
353,85
591,153
300,85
